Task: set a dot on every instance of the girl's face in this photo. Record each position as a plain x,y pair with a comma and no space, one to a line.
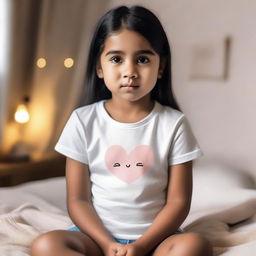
129,66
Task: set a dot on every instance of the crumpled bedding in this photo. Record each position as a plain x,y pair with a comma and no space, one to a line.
228,228
226,216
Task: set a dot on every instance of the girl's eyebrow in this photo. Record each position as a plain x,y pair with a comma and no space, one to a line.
136,53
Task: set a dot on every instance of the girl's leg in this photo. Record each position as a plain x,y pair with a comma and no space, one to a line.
62,243
188,244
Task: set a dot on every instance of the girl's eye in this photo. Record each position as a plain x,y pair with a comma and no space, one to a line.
143,59
139,164
115,59
116,165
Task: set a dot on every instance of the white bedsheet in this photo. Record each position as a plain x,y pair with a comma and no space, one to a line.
33,208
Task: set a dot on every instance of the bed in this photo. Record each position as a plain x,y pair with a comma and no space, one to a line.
223,209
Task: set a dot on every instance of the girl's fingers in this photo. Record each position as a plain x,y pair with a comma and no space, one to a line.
121,251
112,253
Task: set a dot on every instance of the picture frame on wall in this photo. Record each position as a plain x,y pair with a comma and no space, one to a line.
210,60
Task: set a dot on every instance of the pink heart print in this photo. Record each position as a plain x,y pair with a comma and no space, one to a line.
129,166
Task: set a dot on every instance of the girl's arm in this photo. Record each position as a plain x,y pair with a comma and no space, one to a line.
174,212
80,206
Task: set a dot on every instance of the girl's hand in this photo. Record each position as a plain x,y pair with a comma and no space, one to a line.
133,250
122,251
115,249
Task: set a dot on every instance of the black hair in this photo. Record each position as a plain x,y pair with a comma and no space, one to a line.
143,21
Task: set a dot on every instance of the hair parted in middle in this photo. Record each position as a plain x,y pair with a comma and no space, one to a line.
144,22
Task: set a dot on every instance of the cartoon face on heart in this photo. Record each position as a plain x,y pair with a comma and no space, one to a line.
129,166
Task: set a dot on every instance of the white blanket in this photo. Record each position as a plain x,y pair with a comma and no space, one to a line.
37,207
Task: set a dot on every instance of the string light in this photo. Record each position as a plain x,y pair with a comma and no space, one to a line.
68,62
41,62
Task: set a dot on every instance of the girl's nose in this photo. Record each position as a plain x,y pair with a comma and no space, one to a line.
130,72
133,76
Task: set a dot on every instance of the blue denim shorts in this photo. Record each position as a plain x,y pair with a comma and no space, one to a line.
120,240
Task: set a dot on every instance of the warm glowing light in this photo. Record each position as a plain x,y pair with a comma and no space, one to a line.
68,62
21,114
41,63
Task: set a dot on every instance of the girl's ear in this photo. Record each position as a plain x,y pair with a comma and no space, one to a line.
99,71
161,68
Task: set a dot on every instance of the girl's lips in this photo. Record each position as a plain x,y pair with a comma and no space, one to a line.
129,86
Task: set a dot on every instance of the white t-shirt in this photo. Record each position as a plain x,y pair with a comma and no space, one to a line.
128,162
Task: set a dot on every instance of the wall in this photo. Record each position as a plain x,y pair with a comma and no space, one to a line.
221,112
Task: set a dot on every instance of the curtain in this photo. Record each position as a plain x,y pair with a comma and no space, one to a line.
4,63
53,30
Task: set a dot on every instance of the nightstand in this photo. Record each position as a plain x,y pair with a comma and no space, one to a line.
11,174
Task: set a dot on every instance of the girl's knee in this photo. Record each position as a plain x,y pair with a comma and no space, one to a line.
45,243
194,244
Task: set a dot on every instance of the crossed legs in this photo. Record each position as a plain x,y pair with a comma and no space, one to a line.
73,243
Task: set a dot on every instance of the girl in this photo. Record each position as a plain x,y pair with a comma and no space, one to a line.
129,150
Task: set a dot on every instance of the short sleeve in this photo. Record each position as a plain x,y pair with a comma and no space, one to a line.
184,146
72,141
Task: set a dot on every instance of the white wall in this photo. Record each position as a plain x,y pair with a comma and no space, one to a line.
222,113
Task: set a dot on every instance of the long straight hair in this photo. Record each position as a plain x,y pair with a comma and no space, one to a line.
144,22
